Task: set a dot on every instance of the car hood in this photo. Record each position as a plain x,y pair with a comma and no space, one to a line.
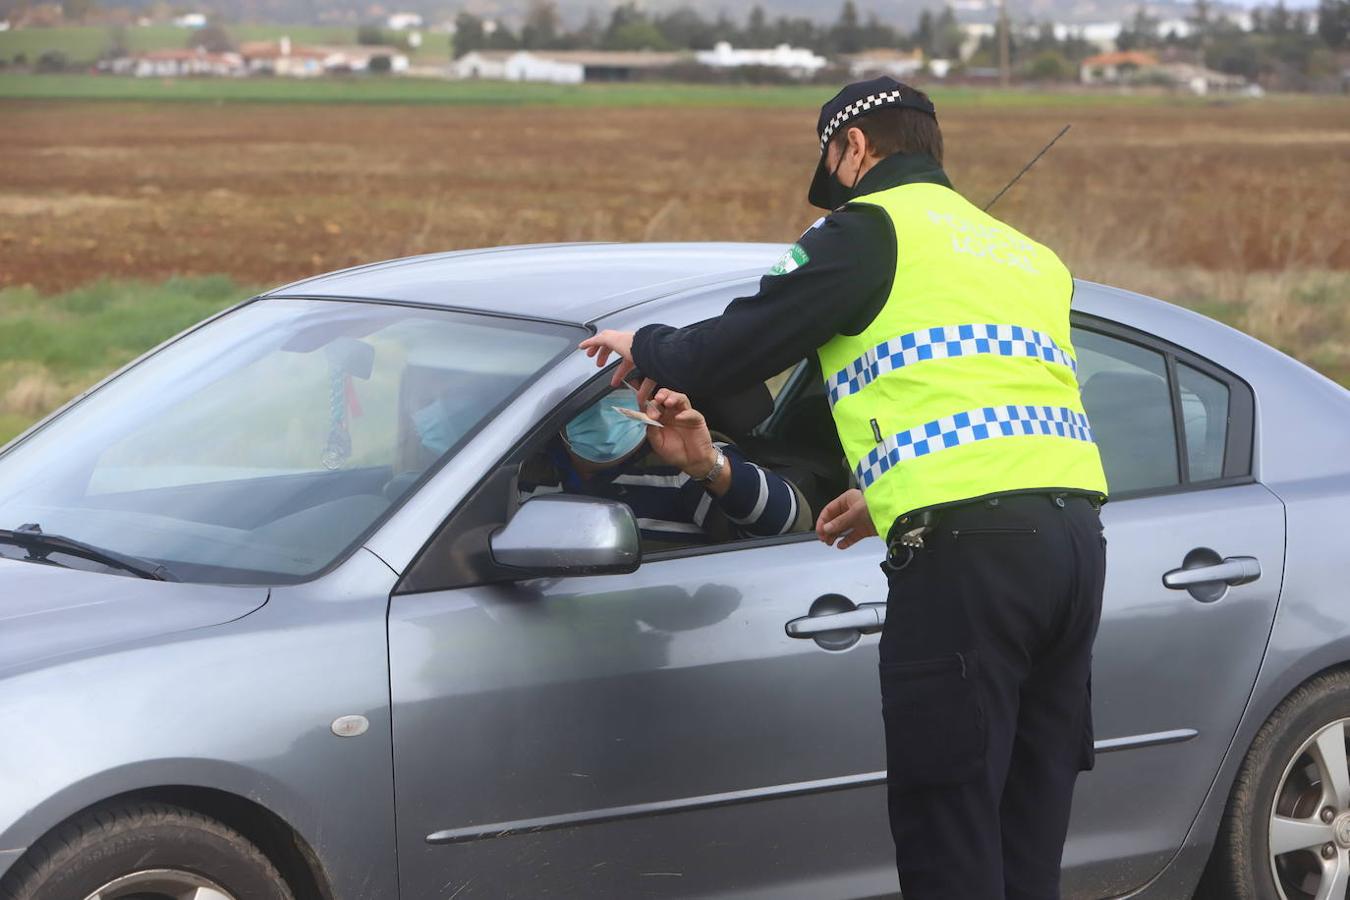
48,612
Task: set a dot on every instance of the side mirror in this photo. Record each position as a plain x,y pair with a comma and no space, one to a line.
567,535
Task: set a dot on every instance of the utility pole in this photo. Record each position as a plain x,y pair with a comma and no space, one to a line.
1004,66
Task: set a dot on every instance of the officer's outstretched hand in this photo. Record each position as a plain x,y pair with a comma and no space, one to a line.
845,519
610,341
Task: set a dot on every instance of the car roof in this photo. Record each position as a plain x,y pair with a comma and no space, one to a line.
576,283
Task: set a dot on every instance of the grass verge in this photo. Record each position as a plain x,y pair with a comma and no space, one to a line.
54,346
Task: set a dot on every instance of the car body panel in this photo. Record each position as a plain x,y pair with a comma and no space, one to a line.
574,283
1165,662
243,707
48,611
669,685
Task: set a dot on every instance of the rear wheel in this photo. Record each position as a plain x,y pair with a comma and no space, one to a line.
1286,831
144,851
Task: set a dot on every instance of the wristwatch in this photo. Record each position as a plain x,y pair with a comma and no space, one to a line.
718,465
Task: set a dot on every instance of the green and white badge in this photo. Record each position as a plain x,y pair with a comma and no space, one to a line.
791,261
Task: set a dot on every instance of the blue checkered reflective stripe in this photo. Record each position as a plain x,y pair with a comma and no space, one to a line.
944,342
967,428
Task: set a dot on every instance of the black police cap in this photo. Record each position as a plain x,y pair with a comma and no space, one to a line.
859,99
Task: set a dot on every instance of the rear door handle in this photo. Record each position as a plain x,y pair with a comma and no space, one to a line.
1233,570
1207,576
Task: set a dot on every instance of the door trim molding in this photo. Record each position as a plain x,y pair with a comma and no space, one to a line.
472,833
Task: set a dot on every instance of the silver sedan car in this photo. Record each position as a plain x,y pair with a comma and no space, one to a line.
275,623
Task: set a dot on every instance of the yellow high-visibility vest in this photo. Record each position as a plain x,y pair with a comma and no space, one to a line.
964,384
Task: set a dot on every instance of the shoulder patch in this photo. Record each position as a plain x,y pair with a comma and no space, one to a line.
791,261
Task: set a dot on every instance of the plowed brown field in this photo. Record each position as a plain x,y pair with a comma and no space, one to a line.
1240,208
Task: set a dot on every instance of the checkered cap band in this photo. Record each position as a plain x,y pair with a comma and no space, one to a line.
967,428
945,342
857,108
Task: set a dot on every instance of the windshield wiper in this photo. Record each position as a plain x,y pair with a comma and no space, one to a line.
38,544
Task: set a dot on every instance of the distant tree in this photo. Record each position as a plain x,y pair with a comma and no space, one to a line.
542,27
923,34
1201,18
469,34
635,36
947,35
502,38
119,43
684,27
630,29
1277,20
725,30
212,39
1333,23
1050,65
369,35
798,32
847,34
757,28
878,34
590,33
76,10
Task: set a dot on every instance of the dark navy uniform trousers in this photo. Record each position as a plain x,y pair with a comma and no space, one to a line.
985,670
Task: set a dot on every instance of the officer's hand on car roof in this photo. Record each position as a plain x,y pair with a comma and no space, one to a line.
610,341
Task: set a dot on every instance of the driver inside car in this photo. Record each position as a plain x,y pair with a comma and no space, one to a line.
684,485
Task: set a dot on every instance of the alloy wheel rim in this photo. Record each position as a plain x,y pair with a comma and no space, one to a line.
1309,835
161,884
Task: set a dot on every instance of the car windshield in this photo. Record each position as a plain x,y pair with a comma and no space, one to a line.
260,447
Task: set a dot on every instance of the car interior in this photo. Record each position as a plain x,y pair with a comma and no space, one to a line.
783,425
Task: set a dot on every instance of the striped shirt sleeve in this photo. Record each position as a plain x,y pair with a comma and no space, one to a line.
759,503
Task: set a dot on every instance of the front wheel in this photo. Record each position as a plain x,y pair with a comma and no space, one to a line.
1286,831
144,851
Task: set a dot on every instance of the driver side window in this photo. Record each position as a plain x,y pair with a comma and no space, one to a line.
600,451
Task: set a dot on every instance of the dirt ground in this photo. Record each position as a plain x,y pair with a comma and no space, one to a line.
272,193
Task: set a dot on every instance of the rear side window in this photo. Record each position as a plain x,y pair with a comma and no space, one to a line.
1163,418
1204,416
1129,404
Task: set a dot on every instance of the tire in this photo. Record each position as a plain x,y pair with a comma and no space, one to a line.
1296,769
143,850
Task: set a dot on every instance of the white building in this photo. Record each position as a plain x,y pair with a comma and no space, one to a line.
1118,67
281,57
357,58
972,34
402,21
884,61
190,20
559,66
796,60
488,65
178,64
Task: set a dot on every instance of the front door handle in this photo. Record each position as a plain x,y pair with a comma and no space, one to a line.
1207,576
835,622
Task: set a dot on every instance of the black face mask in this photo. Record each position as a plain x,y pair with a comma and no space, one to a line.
841,193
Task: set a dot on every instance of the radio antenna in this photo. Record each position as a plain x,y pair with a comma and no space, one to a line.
1061,134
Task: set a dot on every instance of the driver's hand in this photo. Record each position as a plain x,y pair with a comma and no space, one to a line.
684,441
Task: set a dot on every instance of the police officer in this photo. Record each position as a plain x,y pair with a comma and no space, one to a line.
943,338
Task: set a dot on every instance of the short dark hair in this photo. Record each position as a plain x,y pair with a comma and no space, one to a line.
896,130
